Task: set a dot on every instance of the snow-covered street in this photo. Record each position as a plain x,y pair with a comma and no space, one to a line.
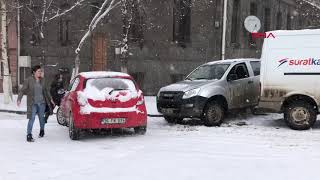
265,148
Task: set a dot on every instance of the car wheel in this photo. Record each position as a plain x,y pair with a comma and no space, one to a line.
140,130
254,110
213,114
300,115
74,133
61,120
173,120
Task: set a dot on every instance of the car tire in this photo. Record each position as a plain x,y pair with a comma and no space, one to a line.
60,119
300,115
213,114
173,120
254,110
140,130
74,133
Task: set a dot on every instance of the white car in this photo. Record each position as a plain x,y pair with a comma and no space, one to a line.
290,76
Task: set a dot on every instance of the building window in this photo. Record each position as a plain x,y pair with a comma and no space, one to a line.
64,27
95,6
1,69
35,38
235,22
279,20
289,22
182,22
267,19
253,9
137,25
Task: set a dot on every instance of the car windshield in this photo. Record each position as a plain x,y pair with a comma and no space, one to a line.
208,72
112,83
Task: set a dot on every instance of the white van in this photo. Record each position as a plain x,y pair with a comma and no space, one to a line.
290,76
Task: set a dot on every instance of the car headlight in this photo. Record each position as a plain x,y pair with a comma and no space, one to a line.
191,93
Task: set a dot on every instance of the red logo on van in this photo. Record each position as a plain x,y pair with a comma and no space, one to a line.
257,35
283,61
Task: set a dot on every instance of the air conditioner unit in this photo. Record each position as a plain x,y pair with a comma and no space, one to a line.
24,61
24,68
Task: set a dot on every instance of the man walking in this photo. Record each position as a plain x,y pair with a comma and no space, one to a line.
37,98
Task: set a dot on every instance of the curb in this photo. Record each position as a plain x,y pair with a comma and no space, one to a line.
25,112
11,111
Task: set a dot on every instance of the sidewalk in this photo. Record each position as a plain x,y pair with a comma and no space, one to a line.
13,108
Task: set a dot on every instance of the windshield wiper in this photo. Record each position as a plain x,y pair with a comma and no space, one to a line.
116,90
201,78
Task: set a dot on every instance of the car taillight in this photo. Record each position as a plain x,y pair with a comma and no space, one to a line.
140,101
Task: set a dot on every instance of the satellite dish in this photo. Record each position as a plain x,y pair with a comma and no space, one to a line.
252,24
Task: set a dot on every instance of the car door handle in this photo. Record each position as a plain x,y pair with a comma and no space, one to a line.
250,82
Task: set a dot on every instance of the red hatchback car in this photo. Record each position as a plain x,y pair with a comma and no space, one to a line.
103,100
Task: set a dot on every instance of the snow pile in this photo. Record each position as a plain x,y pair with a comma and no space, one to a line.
12,106
105,89
101,74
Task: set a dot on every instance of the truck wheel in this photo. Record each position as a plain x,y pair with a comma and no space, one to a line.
213,114
140,130
173,120
300,115
74,133
61,120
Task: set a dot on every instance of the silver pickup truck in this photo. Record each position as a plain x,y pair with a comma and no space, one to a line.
211,90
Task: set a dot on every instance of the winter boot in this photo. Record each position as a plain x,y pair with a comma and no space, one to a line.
41,134
29,138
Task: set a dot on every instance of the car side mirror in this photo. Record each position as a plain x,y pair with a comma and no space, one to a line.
232,77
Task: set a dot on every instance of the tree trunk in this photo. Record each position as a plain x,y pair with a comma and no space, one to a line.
7,83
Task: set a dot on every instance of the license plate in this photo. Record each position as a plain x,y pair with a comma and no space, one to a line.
167,111
113,121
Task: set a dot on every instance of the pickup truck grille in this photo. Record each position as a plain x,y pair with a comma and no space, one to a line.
171,95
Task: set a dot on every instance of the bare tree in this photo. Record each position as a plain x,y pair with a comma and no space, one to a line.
7,82
49,11
104,10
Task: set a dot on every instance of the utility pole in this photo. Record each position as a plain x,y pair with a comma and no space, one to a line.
223,48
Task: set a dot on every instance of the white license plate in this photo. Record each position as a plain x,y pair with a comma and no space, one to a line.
113,121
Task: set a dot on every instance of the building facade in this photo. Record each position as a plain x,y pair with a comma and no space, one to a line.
167,38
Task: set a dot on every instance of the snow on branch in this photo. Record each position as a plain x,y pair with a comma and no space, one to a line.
58,14
105,8
312,3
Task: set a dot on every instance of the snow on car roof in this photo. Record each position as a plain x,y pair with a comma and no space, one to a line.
99,74
295,32
229,61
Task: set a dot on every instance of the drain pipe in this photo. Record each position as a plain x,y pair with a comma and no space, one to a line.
18,43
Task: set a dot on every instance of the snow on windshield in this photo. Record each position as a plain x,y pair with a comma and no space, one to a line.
102,89
208,72
101,74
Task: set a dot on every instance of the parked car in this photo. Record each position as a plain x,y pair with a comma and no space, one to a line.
103,100
211,90
290,76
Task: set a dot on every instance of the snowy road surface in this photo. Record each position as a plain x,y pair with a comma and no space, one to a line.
264,149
